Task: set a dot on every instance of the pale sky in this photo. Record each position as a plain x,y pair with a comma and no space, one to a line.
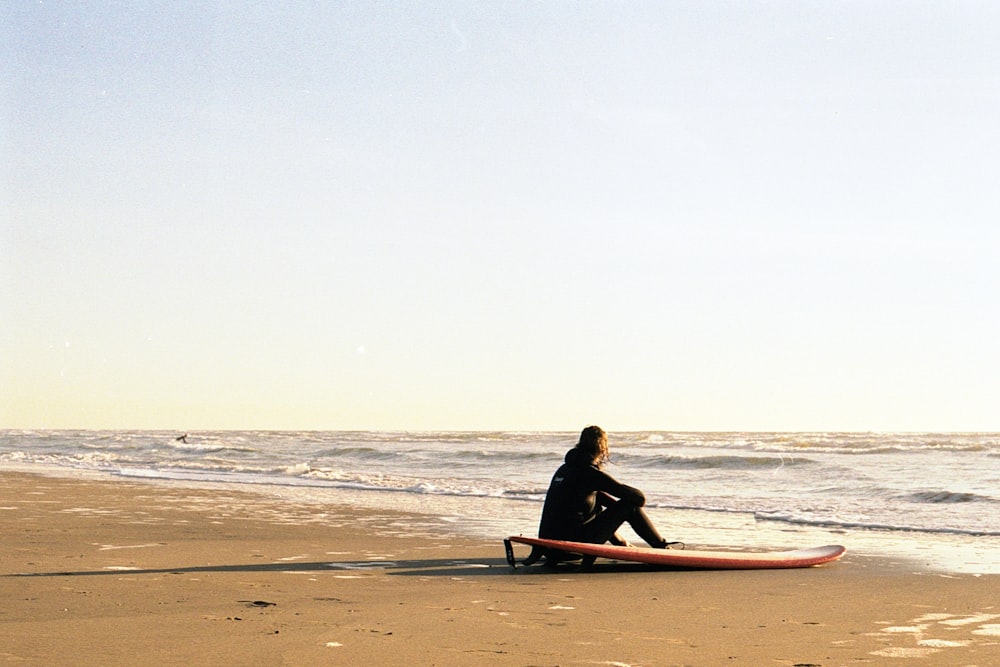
460,215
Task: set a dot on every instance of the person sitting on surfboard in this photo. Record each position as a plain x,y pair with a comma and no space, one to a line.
585,504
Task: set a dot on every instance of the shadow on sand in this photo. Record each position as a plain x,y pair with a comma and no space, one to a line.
434,567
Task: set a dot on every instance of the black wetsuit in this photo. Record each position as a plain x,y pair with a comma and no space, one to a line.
585,504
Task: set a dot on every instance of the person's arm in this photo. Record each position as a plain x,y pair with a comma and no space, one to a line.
608,485
605,499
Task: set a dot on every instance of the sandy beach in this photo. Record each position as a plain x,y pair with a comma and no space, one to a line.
114,572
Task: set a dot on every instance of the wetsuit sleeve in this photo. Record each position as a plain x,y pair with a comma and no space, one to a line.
602,481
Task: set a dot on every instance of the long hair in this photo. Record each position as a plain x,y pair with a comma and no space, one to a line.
594,443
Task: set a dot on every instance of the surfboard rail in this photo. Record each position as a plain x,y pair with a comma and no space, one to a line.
688,558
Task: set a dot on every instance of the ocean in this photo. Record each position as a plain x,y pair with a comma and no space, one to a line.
932,499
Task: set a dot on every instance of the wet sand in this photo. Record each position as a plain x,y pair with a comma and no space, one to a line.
122,572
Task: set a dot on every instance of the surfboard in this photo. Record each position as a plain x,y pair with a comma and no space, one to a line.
688,558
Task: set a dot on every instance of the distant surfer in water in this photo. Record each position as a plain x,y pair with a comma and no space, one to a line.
182,438
585,504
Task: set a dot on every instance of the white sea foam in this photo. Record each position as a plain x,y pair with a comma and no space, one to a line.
114,547
905,652
941,643
905,629
969,620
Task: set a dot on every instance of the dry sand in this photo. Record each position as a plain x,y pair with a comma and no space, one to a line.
121,573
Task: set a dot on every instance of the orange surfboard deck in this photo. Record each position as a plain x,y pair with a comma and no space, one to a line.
706,560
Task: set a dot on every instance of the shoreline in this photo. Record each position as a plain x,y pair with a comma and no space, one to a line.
114,572
489,518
